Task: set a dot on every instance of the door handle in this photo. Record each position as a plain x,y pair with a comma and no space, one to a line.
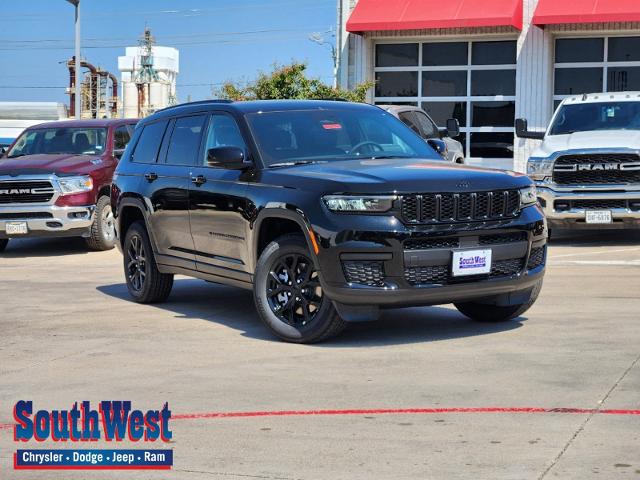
199,180
151,176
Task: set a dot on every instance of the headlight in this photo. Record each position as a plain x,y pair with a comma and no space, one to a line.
538,168
528,196
71,185
347,203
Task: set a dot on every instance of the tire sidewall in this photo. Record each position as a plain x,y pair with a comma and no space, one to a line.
103,242
275,250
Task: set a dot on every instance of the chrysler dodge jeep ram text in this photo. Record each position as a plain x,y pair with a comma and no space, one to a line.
55,181
328,211
587,169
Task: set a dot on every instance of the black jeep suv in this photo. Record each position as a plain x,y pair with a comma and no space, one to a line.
329,211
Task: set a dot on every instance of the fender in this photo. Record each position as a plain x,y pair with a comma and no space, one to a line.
285,211
136,202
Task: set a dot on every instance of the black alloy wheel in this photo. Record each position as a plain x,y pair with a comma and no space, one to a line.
294,291
136,263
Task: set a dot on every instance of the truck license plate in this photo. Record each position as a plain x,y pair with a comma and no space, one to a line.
599,216
471,262
16,228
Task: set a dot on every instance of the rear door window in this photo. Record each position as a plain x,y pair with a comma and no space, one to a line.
121,137
185,140
146,150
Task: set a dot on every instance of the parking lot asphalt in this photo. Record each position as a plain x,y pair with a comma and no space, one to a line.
424,393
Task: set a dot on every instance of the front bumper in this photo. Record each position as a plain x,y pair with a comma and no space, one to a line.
566,207
47,220
411,266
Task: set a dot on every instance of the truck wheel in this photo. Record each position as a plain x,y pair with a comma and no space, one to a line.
494,313
3,244
103,232
288,294
145,283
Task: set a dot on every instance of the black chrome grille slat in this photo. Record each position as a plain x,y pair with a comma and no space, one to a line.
460,207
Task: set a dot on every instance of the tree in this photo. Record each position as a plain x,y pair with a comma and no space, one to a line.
290,82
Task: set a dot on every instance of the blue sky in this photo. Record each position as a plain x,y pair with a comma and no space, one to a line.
218,40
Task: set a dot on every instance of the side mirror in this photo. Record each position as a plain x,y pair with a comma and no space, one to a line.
453,128
118,152
231,158
522,130
439,146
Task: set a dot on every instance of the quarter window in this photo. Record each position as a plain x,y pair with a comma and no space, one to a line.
473,82
146,150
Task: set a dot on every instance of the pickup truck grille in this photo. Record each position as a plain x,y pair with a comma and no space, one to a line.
26,191
597,168
460,207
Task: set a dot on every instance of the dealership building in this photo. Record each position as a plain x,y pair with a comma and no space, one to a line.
487,62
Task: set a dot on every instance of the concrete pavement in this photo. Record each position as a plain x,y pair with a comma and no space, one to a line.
70,333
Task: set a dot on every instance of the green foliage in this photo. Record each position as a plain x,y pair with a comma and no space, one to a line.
290,82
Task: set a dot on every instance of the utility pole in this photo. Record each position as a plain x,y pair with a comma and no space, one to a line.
76,4
318,37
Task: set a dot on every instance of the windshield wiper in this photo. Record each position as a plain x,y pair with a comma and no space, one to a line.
291,164
16,156
376,157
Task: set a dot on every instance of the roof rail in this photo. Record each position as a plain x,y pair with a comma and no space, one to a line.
199,102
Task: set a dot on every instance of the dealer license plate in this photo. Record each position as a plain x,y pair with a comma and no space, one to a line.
16,228
599,216
471,262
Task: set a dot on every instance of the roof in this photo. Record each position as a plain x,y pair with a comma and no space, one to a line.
102,122
255,106
550,12
372,15
603,97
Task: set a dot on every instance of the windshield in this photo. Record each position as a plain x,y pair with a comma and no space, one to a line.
588,117
301,136
75,141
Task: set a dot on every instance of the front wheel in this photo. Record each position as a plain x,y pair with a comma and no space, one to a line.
288,294
103,231
3,244
146,284
482,312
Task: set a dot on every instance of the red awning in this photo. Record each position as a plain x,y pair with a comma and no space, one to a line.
420,14
550,12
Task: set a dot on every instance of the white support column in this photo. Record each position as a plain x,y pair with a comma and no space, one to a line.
534,82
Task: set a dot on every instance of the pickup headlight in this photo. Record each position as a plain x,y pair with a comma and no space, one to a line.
369,203
539,168
528,196
71,185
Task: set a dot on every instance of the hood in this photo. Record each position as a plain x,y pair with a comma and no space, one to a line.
395,176
598,139
58,163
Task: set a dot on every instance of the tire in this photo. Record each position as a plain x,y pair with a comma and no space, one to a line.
493,313
103,234
146,284
284,270
3,244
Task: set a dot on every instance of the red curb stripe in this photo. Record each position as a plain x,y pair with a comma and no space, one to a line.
392,411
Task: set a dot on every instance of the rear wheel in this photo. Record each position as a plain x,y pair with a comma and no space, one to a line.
288,294
146,284
3,244
103,232
483,312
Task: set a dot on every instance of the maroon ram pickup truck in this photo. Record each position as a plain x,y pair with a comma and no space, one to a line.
55,180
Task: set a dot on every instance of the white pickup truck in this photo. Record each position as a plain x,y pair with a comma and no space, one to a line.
587,169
